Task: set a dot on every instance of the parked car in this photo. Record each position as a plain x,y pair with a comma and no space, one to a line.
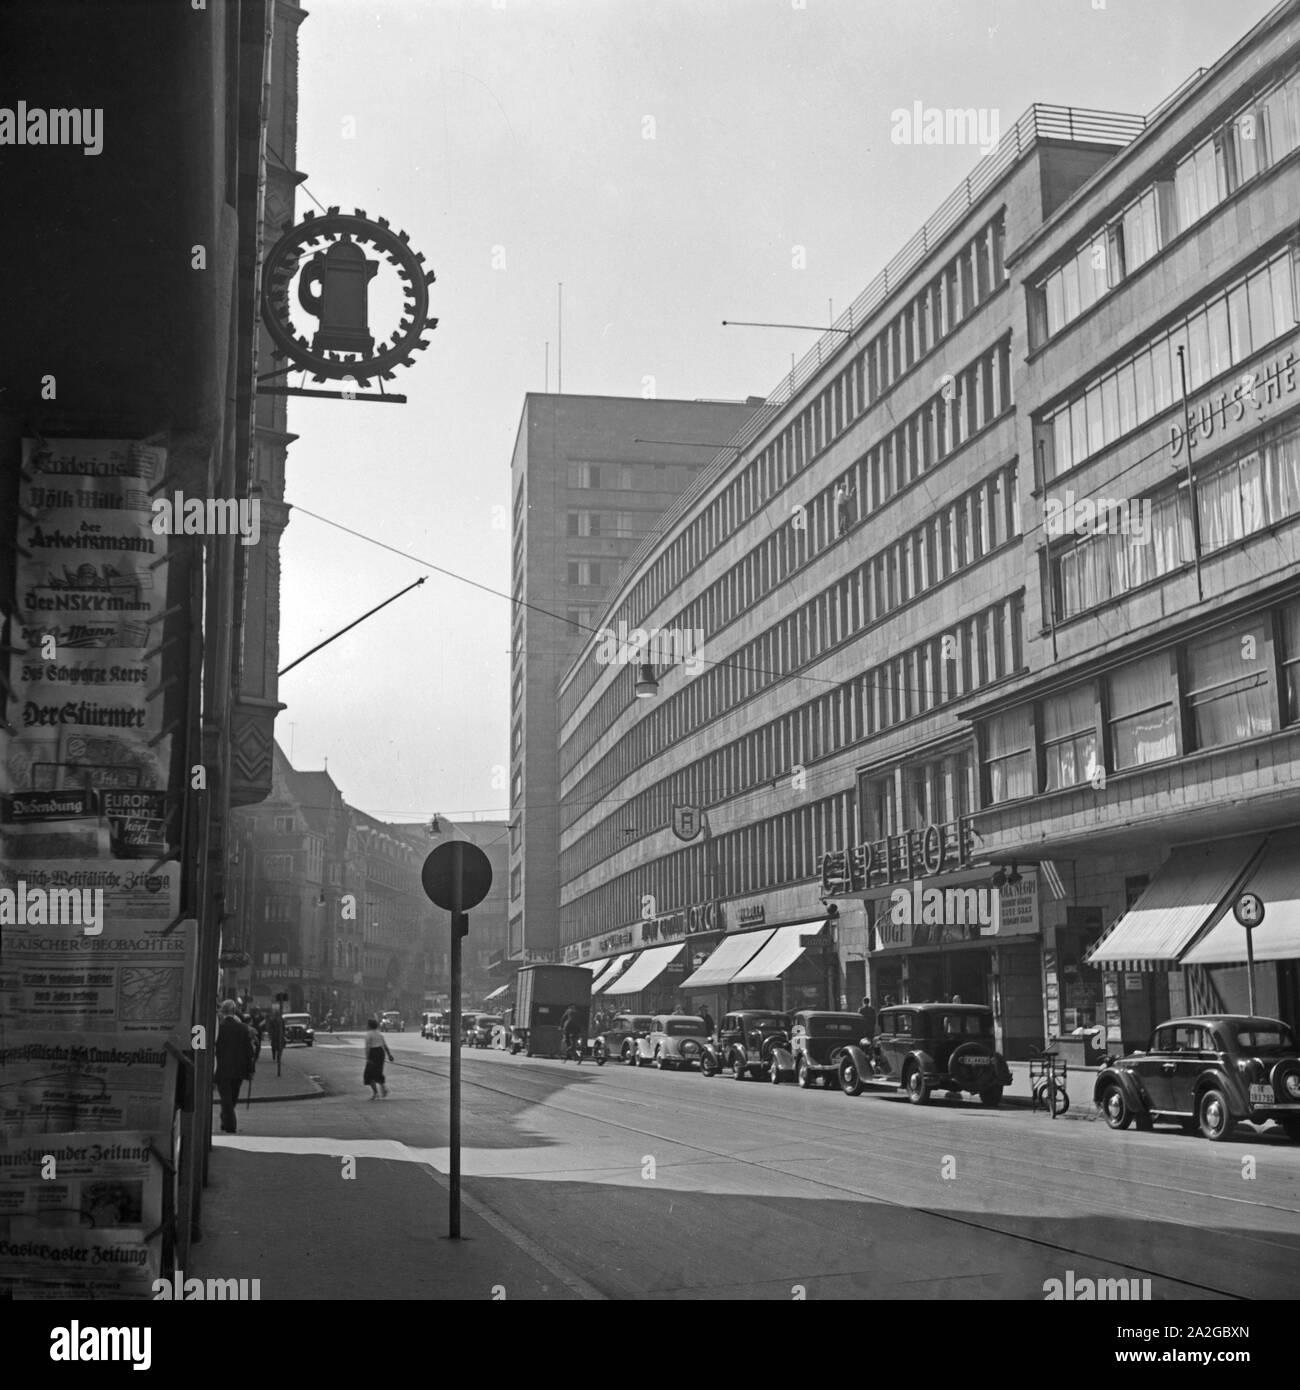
616,1041
480,1033
298,1029
927,1047
391,1022
673,1040
440,1029
746,1041
818,1038
1207,1072
428,1022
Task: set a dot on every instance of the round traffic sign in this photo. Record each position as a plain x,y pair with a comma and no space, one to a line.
440,871
1249,910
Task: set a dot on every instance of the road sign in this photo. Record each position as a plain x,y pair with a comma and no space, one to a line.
440,872
1249,910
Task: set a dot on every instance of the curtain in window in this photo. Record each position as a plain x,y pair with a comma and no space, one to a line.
1070,737
1230,694
1218,500
1140,697
1282,476
1010,755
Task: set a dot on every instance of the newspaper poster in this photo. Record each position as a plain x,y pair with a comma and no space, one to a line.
80,1216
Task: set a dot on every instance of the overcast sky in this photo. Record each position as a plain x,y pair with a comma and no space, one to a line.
665,160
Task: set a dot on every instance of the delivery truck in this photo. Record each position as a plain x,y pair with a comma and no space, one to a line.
543,993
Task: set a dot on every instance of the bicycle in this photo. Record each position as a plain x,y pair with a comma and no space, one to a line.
1047,1073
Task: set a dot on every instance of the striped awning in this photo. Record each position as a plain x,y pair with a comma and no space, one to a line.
780,953
607,978
646,969
496,993
1179,902
732,952
1275,880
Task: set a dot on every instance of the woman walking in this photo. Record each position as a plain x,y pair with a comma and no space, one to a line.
376,1051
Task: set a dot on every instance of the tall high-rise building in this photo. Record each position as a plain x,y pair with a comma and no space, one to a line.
592,477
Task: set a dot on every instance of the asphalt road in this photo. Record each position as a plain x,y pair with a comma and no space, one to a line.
662,1185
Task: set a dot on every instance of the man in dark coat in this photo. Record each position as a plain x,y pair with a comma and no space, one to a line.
275,1031
571,1027
234,1061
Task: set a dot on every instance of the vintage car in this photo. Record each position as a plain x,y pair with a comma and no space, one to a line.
298,1029
747,1039
391,1022
927,1047
480,1032
428,1022
818,1038
616,1041
673,1040
1207,1072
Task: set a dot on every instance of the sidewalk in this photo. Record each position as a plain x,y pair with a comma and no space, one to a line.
295,1081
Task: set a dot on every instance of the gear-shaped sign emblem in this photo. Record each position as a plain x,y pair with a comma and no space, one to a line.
333,289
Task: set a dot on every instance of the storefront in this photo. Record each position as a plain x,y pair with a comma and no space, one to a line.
786,967
1183,934
959,938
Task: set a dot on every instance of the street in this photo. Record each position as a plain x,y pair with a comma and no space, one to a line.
647,1184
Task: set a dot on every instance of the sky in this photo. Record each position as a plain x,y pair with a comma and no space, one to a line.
671,163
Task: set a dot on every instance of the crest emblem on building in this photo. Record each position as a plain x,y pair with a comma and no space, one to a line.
689,821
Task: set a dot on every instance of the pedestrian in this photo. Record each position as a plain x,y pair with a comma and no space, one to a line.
571,1027
234,1061
275,1031
707,1019
376,1050
868,1016
956,999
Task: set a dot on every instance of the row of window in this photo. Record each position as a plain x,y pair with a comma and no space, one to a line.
932,791
629,477
948,542
1237,683
783,850
1258,136
618,525
586,572
947,301
1235,324
950,666
1256,488
955,537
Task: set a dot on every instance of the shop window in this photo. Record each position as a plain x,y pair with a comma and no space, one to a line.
1290,622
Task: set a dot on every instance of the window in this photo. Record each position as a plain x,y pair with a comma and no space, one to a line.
1070,737
1229,691
1009,755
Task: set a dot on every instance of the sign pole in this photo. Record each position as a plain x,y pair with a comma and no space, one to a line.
456,876
1250,965
457,922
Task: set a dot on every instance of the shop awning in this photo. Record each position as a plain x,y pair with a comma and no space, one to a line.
731,954
646,969
611,974
496,993
1182,898
1276,880
785,947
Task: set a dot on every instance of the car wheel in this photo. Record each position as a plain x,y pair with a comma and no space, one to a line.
1291,1125
803,1074
738,1069
598,1055
774,1072
659,1060
1214,1116
917,1090
850,1078
1115,1107
629,1056
991,1096
708,1066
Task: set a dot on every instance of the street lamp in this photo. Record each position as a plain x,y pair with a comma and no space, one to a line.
647,687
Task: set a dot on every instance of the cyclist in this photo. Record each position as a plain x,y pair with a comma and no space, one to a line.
571,1027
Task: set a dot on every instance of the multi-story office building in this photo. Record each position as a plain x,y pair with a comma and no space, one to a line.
1151,745
591,477
909,761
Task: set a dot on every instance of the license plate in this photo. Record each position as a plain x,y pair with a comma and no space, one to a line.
978,1061
1261,1095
